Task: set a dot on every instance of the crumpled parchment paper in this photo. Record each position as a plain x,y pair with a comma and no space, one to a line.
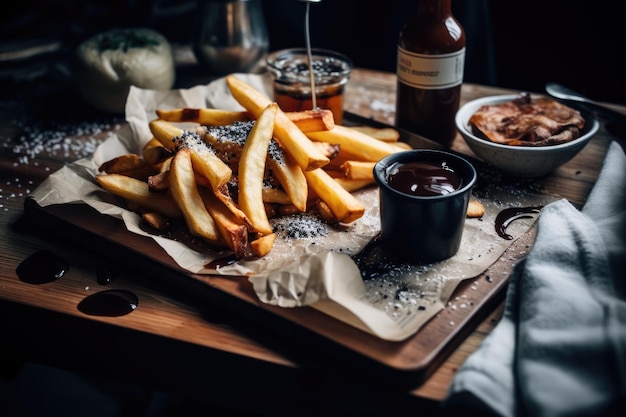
319,272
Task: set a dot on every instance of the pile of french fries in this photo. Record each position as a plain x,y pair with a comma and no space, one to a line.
221,190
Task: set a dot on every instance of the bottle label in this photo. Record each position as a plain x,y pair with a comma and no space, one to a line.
430,72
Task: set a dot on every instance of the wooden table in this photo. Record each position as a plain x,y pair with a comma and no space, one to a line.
178,342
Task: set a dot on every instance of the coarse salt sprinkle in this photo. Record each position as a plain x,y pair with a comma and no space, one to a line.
299,226
36,141
69,140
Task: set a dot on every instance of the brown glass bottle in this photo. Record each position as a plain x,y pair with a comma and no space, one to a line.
431,59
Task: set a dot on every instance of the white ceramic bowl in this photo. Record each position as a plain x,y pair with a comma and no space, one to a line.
521,161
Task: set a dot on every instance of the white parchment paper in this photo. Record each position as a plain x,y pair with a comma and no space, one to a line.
319,272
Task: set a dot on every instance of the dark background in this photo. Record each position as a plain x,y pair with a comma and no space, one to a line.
520,45
513,44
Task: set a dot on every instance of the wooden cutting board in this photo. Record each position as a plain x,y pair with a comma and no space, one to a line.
407,363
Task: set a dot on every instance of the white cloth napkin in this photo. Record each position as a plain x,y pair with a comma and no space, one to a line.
560,347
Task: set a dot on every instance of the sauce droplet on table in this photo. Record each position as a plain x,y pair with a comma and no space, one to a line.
42,267
509,215
110,303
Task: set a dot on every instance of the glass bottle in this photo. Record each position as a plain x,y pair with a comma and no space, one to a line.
431,59
230,35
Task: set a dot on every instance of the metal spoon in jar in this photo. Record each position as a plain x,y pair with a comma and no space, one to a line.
307,33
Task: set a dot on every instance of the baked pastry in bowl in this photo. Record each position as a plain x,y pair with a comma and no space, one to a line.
523,135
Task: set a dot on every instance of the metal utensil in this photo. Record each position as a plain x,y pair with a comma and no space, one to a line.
229,35
307,33
572,97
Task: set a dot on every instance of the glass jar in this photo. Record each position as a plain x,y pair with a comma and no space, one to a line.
230,35
292,81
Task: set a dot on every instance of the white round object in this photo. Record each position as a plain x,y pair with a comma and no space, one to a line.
108,63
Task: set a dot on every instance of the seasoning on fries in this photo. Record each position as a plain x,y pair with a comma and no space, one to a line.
286,132
235,171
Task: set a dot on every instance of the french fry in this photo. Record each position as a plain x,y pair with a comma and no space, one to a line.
252,170
291,178
154,155
137,192
165,165
297,144
286,132
156,220
354,142
159,182
203,116
385,134
142,172
232,231
287,210
358,170
344,205
353,185
275,195
208,164
475,209
224,196
307,120
403,146
185,192
330,150
121,163
152,143
204,159
348,184
165,133
312,120
326,213
336,162
262,245
131,165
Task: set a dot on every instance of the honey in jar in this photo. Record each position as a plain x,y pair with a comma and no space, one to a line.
292,79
